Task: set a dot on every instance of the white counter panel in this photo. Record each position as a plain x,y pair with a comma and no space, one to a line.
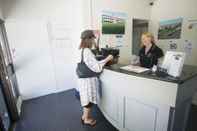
139,103
137,113
144,89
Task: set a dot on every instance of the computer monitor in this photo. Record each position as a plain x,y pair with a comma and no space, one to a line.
173,62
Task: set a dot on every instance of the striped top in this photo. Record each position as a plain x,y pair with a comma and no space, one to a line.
88,87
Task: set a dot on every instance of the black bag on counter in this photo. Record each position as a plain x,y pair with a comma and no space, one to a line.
83,71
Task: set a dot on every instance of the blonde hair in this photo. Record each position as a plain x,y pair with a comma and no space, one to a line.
149,35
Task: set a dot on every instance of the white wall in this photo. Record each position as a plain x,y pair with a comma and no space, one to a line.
1,9
170,9
45,64
44,37
133,9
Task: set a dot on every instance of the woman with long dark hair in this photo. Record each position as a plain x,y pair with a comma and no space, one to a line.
88,87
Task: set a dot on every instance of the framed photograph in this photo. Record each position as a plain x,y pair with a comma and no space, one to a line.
113,22
170,29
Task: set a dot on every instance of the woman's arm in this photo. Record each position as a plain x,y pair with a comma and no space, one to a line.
92,63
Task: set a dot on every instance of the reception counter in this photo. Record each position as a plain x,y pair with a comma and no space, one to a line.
146,102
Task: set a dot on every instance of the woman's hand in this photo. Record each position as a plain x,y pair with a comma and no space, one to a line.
109,58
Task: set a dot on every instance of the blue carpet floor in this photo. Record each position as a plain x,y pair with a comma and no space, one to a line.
62,112
58,112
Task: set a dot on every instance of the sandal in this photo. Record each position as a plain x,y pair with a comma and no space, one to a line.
82,121
92,123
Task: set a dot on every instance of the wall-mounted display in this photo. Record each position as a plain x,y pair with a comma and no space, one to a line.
113,22
170,29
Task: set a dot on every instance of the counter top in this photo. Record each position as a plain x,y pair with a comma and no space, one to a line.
188,73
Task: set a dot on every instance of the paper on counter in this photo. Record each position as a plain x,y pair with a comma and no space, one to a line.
136,69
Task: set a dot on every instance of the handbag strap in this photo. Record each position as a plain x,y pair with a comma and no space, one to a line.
82,55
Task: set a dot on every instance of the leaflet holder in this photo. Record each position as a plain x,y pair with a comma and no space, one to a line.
173,63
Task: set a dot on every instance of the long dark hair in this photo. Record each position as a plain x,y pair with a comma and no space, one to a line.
86,43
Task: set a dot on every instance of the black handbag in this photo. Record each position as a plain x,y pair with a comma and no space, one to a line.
83,71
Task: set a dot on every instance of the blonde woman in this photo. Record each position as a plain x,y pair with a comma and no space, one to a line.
149,53
88,87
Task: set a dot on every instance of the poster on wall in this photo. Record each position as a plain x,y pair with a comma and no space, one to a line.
119,40
170,29
173,45
192,24
113,22
188,47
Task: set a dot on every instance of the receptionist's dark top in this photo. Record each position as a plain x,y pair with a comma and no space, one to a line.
152,56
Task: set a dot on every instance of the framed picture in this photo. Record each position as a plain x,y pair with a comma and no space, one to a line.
170,29
113,22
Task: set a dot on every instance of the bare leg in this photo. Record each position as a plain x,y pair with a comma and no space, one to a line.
87,116
85,113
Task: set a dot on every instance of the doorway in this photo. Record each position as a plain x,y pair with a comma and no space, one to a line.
139,26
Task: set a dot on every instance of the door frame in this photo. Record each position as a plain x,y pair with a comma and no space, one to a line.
142,19
11,100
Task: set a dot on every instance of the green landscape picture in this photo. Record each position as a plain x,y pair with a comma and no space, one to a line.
112,25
